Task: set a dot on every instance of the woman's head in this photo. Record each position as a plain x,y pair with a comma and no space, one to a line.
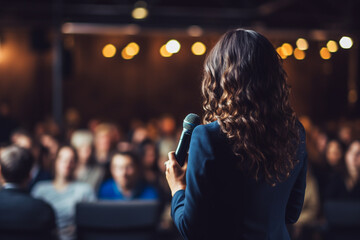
245,90
148,154
102,137
65,162
334,153
82,141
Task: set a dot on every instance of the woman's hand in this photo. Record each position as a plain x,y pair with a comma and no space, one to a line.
175,174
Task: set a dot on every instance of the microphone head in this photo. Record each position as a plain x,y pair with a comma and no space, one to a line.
191,121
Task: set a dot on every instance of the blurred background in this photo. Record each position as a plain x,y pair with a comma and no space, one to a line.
75,54
132,70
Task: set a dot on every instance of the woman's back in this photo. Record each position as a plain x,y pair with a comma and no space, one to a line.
224,202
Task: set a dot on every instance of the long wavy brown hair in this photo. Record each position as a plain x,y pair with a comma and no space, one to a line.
245,90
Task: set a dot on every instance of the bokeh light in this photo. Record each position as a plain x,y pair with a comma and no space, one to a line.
346,42
139,13
132,49
302,44
299,54
324,53
125,56
195,31
109,51
287,49
164,52
281,52
198,48
173,46
332,46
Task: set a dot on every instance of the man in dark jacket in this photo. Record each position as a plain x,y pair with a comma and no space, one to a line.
21,216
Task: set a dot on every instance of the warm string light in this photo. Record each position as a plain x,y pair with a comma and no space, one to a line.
130,51
164,52
140,10
324,53
286,50
109,51
332,46
198,48
302,44
299,54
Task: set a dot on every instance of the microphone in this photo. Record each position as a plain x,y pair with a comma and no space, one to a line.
190,122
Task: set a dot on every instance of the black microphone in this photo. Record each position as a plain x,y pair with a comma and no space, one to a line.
190,122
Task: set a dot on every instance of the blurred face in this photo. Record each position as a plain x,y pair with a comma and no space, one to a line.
65,163
140,134
50,143
168,125
345,134
333,153
149,156
321,141
84,153
124,171
352,158
103,141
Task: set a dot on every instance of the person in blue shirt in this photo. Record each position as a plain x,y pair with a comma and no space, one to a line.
127,182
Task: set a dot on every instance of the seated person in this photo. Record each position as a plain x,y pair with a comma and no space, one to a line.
127,182
347,186
63,193
21,216
23,139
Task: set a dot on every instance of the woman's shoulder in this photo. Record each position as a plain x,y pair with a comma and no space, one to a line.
210,129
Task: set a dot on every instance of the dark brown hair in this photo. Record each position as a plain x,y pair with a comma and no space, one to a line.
16,163
245,90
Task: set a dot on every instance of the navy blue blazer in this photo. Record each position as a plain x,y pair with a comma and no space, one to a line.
222,203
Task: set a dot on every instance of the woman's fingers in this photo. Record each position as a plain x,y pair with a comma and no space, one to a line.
173,165
171,155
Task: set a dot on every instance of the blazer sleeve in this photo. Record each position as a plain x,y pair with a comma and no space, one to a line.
187,205
296,199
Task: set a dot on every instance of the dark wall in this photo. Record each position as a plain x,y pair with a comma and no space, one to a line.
148,85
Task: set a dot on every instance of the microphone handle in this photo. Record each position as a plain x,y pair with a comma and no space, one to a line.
183,147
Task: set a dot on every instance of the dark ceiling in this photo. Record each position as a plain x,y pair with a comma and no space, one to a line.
334,15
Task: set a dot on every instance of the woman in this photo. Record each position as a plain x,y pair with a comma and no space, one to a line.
63,193
148,154
86,170
346,186
246,171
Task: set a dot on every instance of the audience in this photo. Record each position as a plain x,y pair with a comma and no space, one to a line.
346,186
102,144
21,216
86,169
148,154
100,160
127,182
63,192
23,139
